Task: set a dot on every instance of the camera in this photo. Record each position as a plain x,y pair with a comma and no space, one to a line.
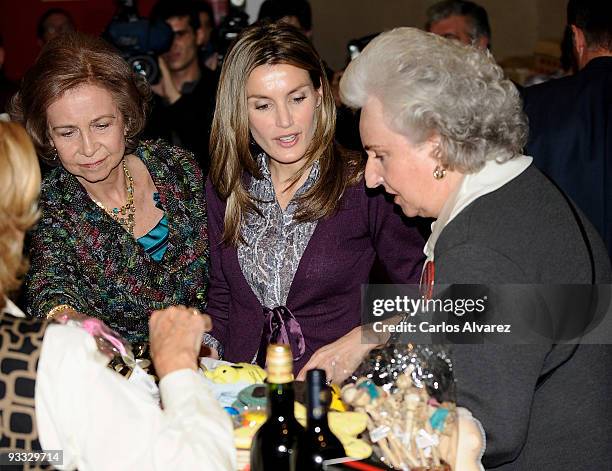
139,41
231,26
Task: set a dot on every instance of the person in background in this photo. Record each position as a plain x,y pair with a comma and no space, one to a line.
208,56
295,12
293,233
184,99
568,63
58,393
7,87
570,119
462,20
52,23
123,229
449,147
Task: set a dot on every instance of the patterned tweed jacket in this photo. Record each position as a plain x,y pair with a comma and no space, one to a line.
81,257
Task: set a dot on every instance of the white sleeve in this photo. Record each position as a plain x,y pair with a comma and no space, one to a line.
102,421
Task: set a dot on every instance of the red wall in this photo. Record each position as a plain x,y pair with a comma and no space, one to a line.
18,19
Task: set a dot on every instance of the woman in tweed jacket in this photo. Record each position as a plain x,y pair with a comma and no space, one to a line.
123,228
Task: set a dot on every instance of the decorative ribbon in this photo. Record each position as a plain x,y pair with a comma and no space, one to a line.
97,328
108,341
280,326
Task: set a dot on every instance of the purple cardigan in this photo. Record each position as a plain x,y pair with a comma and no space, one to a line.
325,295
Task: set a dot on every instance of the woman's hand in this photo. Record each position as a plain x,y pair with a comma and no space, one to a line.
340,358
176,336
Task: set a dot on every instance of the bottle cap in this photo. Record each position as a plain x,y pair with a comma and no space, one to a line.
319,394
317,376
279,363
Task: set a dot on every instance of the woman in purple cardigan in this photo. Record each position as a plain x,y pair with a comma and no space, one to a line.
293,234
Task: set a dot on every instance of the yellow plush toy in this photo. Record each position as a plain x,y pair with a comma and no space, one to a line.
239,372
336,402
346,426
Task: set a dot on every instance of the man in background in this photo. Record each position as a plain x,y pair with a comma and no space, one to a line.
184,98
7,87
295,12
52,23
461,20
208,55
570,119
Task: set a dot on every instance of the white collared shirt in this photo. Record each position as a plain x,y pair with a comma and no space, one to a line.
491,177
102,421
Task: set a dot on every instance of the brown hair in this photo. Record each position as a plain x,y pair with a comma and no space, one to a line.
66,62
20,181
230,144
594,18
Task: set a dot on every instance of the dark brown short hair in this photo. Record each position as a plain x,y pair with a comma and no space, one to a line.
594,18
66,62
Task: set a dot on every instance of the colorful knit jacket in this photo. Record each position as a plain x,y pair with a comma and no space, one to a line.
81,257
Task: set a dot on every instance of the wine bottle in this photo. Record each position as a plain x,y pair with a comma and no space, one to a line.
317,443
275,441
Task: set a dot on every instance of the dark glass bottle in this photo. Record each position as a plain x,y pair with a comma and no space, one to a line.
275,441
318,443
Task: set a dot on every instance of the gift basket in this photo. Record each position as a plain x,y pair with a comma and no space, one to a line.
396,411
408,394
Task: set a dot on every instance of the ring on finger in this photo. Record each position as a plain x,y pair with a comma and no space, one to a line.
195,311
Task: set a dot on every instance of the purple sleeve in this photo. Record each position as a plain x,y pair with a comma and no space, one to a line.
398,243
218,291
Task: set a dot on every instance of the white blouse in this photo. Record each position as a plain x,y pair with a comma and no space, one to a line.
102,421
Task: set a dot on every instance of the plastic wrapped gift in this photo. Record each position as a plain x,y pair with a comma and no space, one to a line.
408,393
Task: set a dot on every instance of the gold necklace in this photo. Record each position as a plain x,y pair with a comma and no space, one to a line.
125,214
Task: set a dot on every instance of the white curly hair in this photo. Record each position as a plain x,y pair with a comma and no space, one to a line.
431,85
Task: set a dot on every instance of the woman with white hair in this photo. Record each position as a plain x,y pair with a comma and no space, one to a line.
443,130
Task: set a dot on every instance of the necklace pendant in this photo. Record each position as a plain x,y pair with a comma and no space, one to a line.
125,214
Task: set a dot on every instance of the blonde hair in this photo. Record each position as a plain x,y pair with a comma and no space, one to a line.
231,147
20,181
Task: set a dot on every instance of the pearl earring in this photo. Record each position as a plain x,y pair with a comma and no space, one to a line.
439,172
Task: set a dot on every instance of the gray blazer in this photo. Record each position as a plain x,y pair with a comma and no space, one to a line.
542,407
